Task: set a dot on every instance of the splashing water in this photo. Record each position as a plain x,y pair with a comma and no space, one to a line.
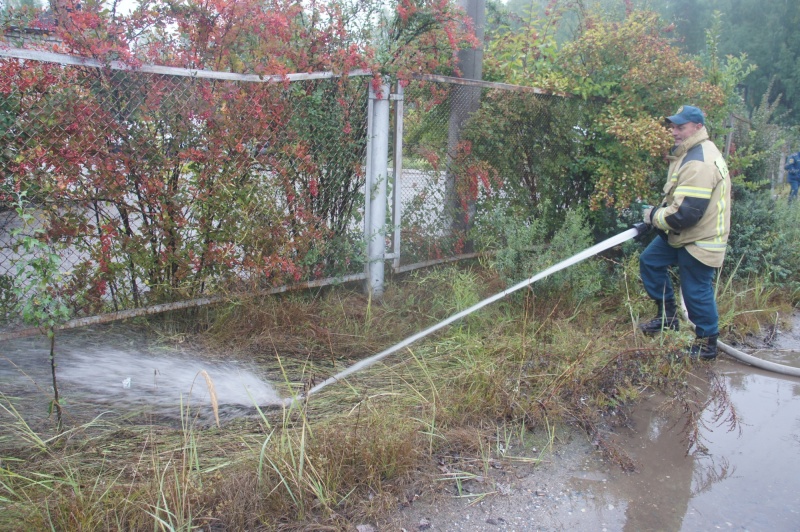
111,374
131,378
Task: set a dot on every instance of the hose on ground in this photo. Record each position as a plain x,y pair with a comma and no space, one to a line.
741,356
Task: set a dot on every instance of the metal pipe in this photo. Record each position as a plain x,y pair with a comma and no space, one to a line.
435,262
177,305
376,243
64,59
397,212
368,175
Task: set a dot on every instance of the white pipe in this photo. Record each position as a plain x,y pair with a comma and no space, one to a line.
376,189
757,362
585,254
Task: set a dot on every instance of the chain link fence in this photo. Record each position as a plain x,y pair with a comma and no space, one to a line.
474,153
124,189
127,189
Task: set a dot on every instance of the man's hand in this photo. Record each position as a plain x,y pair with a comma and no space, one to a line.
646,215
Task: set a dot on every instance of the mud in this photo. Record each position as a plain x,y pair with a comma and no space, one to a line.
742,479
745,479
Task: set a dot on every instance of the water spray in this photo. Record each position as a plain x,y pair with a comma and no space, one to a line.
585,254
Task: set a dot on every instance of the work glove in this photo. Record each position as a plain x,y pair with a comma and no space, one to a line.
647,216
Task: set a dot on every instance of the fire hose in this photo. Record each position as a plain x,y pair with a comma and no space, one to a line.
741,356
585,254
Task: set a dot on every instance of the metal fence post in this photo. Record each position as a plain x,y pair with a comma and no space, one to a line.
464,101
397,207
376,190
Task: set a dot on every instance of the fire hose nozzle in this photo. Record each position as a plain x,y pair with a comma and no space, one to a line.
641,229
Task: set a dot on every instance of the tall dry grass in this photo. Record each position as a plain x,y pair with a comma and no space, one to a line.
492,388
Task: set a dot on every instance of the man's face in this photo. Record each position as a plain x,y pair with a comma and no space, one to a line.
684,131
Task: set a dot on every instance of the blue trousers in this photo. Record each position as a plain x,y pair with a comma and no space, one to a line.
794,183
696,283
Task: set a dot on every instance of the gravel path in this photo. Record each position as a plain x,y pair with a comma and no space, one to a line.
556,494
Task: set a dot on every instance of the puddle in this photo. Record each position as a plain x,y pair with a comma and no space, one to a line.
746,480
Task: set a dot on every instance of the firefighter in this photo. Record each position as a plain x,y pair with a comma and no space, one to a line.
693,223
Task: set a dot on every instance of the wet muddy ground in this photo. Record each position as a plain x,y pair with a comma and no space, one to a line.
747,479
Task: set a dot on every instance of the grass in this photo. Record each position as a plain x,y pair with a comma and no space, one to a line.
498,386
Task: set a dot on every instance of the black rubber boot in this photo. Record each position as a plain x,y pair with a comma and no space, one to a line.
666,318
704,348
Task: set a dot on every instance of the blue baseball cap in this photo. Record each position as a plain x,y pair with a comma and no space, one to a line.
687,113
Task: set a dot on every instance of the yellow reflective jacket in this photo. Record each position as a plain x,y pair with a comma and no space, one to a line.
696,211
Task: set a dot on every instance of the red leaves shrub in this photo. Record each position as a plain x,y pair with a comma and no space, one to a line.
170,186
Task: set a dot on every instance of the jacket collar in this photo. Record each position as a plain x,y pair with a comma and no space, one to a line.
681,149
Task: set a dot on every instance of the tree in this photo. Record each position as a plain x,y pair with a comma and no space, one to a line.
7,6
765,32
37,284
768,35
632,74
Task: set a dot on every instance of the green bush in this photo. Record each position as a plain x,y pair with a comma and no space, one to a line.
763,240
8,299
524,249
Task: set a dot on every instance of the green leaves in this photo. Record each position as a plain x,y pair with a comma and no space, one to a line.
632,75
39,273
528,247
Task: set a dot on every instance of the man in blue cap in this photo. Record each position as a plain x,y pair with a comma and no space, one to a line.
693,223
792,168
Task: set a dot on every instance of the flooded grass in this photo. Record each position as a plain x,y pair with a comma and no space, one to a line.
447,407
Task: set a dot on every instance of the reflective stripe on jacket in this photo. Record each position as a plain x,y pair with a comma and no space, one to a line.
696,211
